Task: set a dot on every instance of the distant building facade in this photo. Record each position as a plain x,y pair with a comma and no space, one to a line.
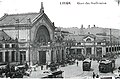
94,45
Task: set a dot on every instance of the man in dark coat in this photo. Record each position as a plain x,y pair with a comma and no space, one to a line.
93,75
119,68
77,63
26,66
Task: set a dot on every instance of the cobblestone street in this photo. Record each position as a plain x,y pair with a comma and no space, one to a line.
74,71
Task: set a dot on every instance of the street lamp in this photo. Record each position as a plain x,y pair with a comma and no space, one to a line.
17,40
29,20
118,2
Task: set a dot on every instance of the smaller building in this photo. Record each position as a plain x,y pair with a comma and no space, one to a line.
8,48
93,45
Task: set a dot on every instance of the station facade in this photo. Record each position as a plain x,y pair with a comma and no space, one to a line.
33,37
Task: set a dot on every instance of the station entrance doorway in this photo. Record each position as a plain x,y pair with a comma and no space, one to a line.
42,57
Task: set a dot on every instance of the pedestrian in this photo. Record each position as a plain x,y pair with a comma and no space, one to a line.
77,63
119,68
26,66
112,70
46,65
37,64
41,67
97,76
93,75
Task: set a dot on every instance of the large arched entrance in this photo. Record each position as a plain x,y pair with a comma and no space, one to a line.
42,38
42,35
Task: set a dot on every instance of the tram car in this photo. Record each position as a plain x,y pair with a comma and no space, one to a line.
87,65
106,66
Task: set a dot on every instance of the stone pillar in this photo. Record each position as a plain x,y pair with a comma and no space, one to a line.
37,55
93,52
10,56
10,45
103,51
108,49
54,55
75,51
15,55
22,57
30,56
60,54
3,56
64,52
48,56
3,45
27,55
18,56
82,51
85,51
34,55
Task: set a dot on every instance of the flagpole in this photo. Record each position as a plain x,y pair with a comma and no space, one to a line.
111,41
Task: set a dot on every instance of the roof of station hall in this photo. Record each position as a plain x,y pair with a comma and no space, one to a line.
79,38
10,19
5,37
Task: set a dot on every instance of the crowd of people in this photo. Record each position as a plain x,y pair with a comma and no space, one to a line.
13,71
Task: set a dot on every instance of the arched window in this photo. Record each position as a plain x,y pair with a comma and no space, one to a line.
88,40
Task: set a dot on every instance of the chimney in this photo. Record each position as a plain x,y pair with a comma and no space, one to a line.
28,20
88,26
82,26
53,24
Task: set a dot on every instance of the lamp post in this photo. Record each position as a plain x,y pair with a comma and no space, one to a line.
29,20
118,2
17,48
110,41
94,47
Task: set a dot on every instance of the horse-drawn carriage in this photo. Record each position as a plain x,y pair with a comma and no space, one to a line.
13,71
2,69
55,74
53,66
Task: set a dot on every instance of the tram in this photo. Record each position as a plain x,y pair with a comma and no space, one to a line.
106,66
87,65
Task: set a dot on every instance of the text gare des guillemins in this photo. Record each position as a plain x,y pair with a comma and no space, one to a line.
79,3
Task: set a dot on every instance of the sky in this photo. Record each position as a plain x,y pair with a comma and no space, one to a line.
71,15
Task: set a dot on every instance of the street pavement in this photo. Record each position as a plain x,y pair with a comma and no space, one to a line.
74,71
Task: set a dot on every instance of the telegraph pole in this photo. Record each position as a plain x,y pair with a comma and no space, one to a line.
111,41
94,47
118,2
